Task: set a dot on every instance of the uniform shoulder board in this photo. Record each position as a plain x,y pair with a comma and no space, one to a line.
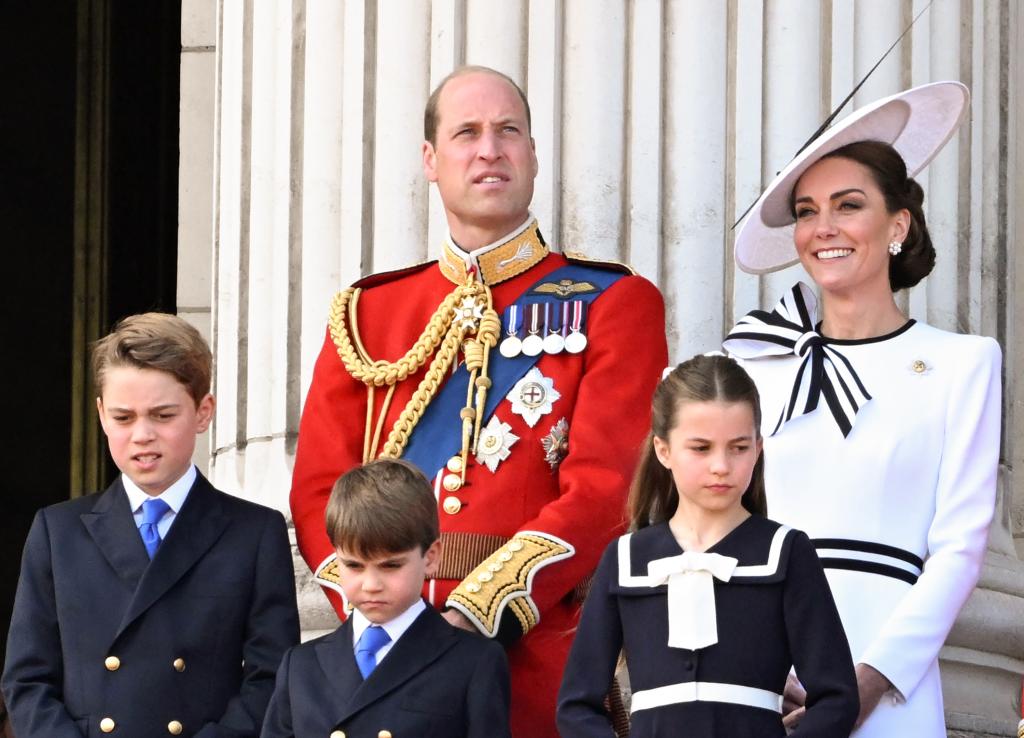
373,280
578,257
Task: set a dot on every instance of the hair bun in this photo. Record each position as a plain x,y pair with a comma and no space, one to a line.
914,192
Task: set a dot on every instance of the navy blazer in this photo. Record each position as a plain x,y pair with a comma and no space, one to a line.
437,681
185,645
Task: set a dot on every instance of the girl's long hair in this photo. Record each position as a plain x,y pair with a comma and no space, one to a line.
653,497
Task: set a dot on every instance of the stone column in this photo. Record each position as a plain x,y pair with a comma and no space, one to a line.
195,175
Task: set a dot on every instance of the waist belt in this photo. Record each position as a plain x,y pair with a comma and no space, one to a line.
734,694
869,557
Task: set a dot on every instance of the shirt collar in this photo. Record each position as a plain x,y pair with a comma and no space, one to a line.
394,628
496,262
174,495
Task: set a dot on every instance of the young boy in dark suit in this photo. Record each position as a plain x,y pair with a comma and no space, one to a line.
161,606
395,667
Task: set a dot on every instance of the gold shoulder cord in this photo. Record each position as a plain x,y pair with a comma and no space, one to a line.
465,318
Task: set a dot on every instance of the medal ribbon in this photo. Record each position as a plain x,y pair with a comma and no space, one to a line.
824,372
513,320
553,319
577,315
534,319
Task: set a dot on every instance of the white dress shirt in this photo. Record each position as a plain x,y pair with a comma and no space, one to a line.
174,496
394,628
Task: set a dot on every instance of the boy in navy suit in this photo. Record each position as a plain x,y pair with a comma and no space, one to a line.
395,667
160,606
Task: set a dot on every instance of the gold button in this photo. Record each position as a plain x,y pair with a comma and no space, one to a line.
472,587
107,725
515,546
919,366
174,727
451,482
112,663
485,576
494,566
179,665
338,734
452,505
505,556
384,734
455,464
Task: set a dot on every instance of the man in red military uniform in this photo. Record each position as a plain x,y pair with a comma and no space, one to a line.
518,379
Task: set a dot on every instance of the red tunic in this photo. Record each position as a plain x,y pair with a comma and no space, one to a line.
605,399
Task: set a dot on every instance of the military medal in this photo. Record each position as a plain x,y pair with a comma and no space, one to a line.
576,341
533,396
555,318
511,346
533,344
556,443
496,438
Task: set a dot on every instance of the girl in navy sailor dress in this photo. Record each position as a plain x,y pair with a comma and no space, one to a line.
709,602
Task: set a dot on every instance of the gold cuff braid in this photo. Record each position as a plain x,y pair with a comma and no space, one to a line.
505,579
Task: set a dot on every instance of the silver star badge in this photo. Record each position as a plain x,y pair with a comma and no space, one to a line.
493,446
556,443
533,396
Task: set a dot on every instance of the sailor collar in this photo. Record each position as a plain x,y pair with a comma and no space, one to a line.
651,561
507,257
759,546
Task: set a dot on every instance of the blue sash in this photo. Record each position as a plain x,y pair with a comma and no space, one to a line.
438,435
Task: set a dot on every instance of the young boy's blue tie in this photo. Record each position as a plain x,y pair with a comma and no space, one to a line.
152,511
372,640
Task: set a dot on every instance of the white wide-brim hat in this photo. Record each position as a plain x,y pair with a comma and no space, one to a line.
917,123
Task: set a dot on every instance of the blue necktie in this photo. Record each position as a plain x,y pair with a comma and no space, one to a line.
152,511
372,640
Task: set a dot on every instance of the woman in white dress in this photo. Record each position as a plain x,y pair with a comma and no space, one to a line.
881,432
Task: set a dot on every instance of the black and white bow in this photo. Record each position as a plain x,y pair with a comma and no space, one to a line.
824,372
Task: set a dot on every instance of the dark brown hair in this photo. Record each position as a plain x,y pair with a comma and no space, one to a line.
158,341
653,497
384,507
889,172
430,114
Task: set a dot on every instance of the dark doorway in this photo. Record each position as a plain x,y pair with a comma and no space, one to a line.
49,129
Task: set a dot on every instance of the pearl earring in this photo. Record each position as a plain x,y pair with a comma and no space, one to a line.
895,247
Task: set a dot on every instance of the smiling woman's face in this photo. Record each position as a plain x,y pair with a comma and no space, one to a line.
843,228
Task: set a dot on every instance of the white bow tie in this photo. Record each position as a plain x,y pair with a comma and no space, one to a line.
692,620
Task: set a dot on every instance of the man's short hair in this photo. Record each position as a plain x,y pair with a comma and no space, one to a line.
430,112
159,341
383,507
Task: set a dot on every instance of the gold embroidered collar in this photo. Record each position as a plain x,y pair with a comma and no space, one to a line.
500,261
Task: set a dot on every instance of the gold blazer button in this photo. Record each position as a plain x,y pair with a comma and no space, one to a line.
112,663
452,505
338,734
179,665
107,725
174,727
